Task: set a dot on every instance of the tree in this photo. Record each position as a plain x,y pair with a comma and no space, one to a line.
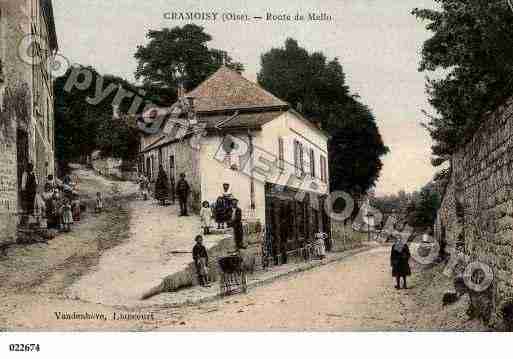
426,207
317,88
471,47
179,55
418,209
81,128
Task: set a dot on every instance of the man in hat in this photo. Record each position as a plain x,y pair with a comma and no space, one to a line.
182,191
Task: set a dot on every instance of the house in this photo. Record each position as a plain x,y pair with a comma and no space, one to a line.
26,102
230,130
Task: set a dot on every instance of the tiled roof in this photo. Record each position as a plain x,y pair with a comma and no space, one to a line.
226,89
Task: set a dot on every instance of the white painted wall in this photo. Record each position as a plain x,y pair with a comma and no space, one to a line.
288,126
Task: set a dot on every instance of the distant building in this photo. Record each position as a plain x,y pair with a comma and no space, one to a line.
26,100
274,159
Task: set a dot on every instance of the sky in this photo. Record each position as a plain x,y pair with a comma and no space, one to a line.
378,43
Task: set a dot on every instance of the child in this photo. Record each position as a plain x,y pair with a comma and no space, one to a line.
143,187
67,215
206,217
75,206
99,203
319,245
200,257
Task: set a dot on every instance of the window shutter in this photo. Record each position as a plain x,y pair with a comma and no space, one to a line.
281,154
312,162
301,159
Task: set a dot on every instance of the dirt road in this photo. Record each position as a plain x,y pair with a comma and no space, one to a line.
159,244
354,294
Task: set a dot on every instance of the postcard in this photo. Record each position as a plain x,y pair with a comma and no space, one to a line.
313,166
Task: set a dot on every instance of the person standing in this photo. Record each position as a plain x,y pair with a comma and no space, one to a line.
236,224
98,208
52,183
206,217
223,207
182,190
200,257
399,260
67,215
161,187
29,188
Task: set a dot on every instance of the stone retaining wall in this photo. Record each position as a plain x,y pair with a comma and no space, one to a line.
483,171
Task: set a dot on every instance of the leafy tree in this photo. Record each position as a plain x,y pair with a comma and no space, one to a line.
81,128
472,48
426,207
417,209
317,88
179,55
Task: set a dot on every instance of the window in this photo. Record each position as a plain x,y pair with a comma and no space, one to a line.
281,155
312,163
301,159
296,157
324,169
48,121
229,159
172,168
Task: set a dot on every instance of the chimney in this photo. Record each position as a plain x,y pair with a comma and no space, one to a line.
299,107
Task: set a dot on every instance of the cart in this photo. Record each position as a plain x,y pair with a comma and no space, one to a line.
233,276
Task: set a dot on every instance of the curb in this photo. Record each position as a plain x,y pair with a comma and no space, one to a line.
256,284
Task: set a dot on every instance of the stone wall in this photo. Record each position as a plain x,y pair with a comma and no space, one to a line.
483,170
19,117
345,238
252,259
186,160
14,107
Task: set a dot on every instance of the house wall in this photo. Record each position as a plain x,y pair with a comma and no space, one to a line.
187,160
26,99
216,172
484,167
42,126
15,102
291,128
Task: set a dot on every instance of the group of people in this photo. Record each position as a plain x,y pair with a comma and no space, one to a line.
165,190
226,213
58,206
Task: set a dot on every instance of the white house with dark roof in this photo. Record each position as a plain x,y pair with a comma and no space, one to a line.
274,159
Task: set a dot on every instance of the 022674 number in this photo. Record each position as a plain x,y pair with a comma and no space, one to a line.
24,347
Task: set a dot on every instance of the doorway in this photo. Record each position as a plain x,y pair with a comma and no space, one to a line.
22,156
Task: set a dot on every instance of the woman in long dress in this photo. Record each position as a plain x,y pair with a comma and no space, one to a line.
399,260
161,187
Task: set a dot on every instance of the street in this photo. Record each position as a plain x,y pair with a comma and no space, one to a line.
356,293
